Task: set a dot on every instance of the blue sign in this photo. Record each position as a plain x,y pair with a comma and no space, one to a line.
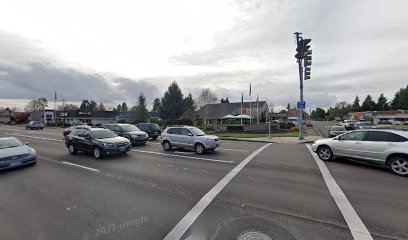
301,105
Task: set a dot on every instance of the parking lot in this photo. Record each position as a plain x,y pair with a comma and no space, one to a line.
274,189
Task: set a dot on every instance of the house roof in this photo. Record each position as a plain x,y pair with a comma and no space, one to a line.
218,110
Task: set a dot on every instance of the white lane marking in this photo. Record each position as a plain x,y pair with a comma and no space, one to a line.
41,138
33,131
230,149
182,226
355,224
80,166
181,156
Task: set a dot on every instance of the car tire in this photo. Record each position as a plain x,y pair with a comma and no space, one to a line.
167,146
96,152
325,153
399,166
199,148
72,149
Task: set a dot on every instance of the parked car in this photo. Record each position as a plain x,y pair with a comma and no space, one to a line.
98,141
349,124
128,131
336,130
364,125
189,138
15,153
381,146
34,125
69,130
152,129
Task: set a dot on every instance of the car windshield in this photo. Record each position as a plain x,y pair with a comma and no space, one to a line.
197,131
338,129
9,143
154,127
129,128
103,133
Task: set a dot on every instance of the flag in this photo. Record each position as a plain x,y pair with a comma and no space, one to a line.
250,90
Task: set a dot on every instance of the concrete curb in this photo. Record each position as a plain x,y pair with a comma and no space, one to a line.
263,141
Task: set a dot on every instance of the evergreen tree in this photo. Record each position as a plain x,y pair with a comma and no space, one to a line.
382,104
356,105
400,100
156,105
368,104
124,107
172,103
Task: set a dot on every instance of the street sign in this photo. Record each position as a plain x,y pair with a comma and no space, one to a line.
301,105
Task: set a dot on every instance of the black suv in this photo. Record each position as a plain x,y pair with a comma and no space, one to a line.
128,131
152,129
98,141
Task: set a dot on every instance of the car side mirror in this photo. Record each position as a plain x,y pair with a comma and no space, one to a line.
27,143
189,134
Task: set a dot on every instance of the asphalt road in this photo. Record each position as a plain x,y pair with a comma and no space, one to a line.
322,127
277,190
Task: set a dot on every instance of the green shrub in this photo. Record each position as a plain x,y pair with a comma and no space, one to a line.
295,129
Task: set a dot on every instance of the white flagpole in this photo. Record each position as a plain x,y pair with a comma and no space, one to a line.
257,110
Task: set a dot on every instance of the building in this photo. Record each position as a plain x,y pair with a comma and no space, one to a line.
214,112
381,116
70,117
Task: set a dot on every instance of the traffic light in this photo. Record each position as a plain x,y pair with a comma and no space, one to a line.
302,48
308,71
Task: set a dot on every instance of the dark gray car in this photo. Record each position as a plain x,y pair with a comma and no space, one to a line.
336,130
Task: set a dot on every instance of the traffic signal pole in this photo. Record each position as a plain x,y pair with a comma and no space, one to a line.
297,34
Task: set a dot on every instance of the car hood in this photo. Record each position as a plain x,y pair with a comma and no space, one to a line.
213,137
136,132
7,152
113,140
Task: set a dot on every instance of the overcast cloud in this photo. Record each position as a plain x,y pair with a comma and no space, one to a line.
358,48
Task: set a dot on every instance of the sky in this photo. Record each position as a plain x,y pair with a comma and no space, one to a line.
111,51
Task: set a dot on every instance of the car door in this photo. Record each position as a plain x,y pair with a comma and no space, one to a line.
349,144
175,136
187,138
80,139
87,142
374,146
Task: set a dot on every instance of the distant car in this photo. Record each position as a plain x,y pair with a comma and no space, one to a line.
152,129
396,122
34,125
15,153
190,138
364,125
98,141
69,130
128,131
380,146
349,124
336,130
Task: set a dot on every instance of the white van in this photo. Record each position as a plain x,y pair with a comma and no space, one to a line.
294,120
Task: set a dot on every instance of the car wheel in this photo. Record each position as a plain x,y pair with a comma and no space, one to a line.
167,146
325,153
399,166
72,149
97,153
199,148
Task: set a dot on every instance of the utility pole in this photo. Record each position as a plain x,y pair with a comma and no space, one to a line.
303,56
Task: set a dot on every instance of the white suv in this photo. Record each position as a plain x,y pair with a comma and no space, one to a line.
383,146
189,137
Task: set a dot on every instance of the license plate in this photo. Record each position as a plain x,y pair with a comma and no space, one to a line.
13,164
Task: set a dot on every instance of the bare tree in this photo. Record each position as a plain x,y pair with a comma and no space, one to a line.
207,96
36,105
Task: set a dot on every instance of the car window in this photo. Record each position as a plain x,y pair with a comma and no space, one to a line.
185,131
81,133
375,136
176,131
154,127
102,133
129,128
392,137
353,136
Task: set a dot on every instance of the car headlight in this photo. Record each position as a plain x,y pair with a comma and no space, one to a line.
33,152
210,140
108,145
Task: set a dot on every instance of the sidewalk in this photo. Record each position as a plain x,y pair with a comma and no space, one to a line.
285,140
